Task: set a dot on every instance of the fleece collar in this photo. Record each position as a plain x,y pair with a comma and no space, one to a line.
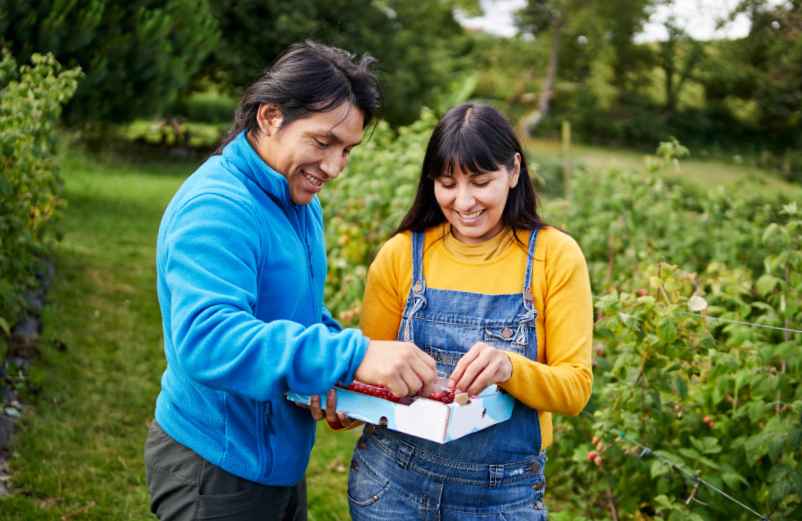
241,154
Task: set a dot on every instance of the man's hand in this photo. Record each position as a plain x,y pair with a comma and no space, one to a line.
481,366
336,420
399,366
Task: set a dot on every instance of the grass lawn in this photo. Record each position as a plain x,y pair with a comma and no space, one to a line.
707,172
78,453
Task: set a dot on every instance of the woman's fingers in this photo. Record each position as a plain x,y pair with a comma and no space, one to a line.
486,377
463,363
481,366
473,370
474,363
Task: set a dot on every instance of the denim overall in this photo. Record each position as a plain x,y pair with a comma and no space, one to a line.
493,474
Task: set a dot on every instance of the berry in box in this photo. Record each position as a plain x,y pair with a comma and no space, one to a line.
431,419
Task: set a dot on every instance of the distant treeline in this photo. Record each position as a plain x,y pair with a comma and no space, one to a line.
582,59
573,59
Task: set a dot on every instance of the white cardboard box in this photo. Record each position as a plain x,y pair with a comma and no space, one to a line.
424,418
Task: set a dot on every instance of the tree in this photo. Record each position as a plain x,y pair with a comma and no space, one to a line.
539,17
679,57
574,25
773,50
632,63
136,55
419,45
763,70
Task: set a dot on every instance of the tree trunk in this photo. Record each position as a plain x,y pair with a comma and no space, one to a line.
669,58
533,119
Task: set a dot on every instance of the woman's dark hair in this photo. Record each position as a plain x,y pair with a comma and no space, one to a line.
309,77
477,139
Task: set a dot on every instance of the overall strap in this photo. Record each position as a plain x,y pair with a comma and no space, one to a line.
416,299
527,289
418,282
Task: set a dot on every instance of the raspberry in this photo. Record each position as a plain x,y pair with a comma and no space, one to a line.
377,391
384,393
442,396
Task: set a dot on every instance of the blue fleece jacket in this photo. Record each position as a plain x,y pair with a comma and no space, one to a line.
240,275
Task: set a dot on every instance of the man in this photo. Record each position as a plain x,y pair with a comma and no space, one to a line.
240,272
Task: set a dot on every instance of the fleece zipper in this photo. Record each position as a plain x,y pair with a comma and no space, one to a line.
264,442
304,237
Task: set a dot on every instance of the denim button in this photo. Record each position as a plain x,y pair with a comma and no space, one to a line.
539,485
506,332
535,467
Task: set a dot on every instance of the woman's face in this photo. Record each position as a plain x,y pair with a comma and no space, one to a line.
474,203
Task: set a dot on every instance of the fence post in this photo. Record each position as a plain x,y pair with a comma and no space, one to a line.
568,166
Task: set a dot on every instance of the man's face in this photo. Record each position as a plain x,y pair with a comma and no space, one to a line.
310,151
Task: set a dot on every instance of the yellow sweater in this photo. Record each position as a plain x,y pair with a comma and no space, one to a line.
560,380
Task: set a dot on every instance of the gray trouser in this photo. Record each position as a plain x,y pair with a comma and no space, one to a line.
185,487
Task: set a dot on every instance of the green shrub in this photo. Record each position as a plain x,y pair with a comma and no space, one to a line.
365,205
710,396
31,99
137,55
206,107
548,174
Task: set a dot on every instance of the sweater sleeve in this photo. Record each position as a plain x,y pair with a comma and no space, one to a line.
329,321
563,383
210,267
383,303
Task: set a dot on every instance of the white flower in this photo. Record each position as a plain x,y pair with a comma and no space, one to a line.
697,303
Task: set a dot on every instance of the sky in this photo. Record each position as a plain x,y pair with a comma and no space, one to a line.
699,18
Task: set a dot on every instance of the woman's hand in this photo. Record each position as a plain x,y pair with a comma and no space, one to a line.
336,420
481,366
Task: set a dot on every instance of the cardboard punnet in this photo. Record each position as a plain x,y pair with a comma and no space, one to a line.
424,418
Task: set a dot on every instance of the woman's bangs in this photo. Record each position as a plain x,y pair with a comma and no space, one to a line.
466,151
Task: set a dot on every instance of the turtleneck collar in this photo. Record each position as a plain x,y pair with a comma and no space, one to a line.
241,154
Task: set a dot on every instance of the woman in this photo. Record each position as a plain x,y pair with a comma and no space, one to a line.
475,278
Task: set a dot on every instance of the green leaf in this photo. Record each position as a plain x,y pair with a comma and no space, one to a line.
755,410
771,231
668,330
790,209
662,501
681,386
697,457
706,445
4,327
659,468
766,284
